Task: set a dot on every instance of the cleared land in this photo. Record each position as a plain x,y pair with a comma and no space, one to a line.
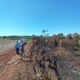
48,62
8,58
6,44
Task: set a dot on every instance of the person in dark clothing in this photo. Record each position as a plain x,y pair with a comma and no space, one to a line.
23,43
18,46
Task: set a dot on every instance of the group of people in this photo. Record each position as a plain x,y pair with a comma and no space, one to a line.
20,47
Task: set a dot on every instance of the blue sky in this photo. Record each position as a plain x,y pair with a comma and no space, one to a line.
27,17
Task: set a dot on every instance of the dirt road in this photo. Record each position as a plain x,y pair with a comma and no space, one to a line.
8,64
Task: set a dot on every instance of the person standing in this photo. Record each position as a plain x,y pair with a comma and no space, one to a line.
18,46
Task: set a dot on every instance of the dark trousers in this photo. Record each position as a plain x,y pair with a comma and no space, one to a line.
17,51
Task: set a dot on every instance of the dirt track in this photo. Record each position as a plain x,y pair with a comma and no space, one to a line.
8,64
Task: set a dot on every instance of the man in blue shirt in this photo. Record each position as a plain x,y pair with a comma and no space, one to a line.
18,46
